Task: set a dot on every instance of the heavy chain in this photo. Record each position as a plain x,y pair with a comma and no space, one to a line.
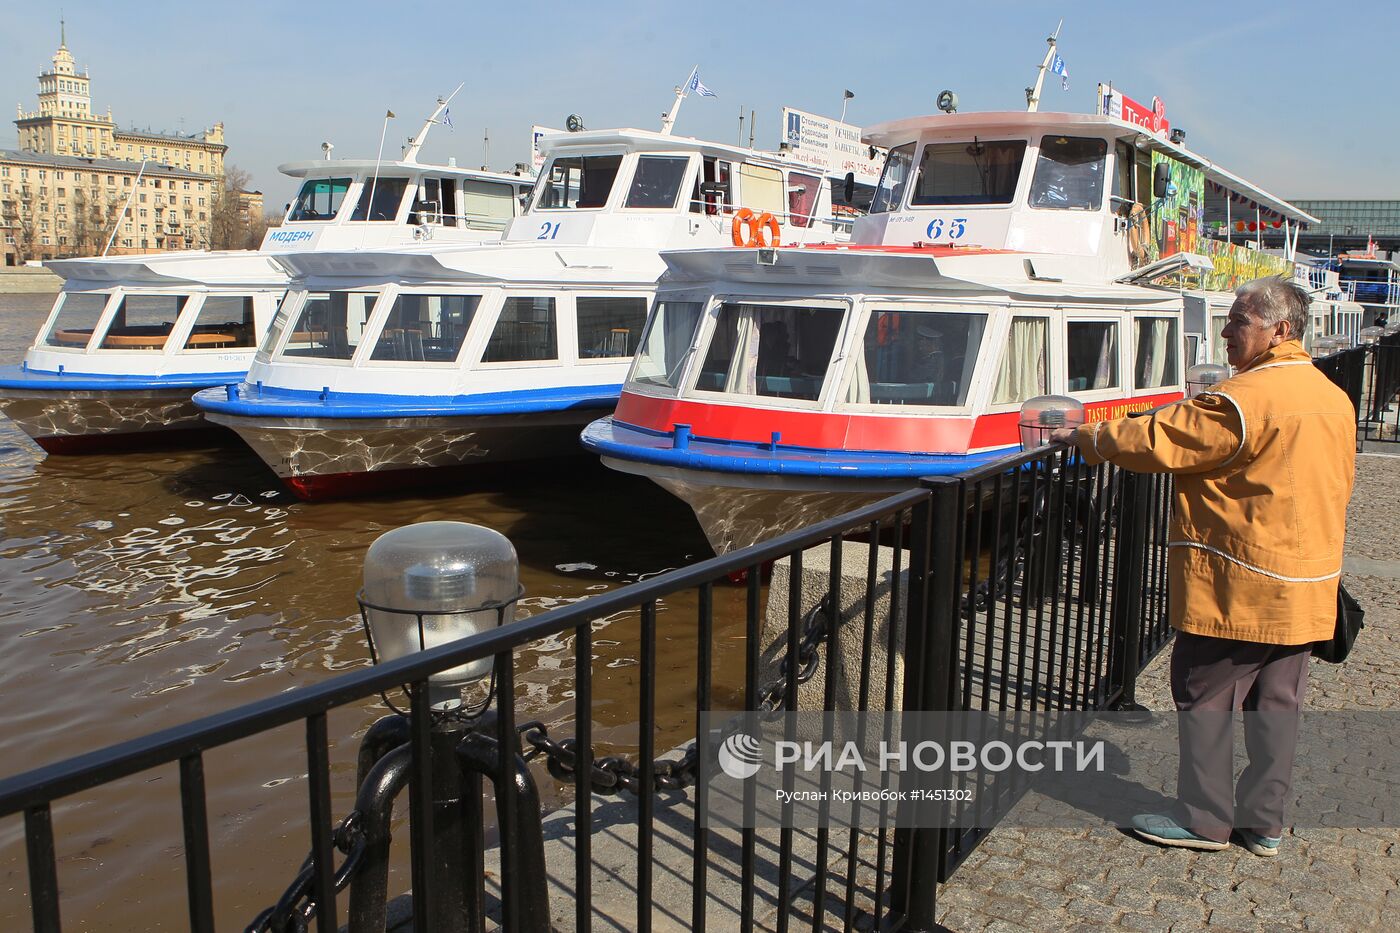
613,775
294,911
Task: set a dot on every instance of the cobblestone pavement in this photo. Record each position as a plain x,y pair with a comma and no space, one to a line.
1322,879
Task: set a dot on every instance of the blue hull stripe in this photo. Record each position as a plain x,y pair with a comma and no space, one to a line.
13,377
291,403
608,438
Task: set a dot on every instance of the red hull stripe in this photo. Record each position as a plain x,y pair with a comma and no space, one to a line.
839,431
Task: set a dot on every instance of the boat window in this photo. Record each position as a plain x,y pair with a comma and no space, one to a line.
428,205
1157,351
486,205
609,327
223,323
657,181
143,322
889,193
525,330
387,195
968,173
78,314
1025,364
1093,355
330,325
1123,176
279,321
1218,353
426,328
319,199
917,358
761,190
665,343
777,351
714,172
802,198
1069,173
578,182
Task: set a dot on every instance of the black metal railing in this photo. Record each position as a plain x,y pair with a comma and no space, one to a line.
1370,376
1034,583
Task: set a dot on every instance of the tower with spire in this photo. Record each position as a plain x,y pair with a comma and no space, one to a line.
64,124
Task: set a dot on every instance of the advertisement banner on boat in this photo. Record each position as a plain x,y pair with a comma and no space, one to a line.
1177,226
536,155
830,146
1120,106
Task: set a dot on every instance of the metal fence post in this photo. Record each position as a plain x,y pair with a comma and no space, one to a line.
1129,556
928,681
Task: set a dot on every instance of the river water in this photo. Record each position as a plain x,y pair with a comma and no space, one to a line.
142,590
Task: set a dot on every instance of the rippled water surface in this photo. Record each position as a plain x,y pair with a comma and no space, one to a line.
145,589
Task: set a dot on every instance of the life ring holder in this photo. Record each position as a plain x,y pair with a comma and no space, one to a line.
748,229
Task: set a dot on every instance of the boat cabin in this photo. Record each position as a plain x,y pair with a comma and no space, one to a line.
634,187
364,204
926,350
168,313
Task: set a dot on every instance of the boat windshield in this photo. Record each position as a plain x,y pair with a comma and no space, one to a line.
380,199
577,182
426,328
657,181
78,314
666,343
889,193
778,351
223,323
330,325
917,358
1069,173
968,173
319,199
143,322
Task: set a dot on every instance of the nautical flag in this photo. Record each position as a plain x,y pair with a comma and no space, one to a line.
388,114
1058,67
697,87
447,119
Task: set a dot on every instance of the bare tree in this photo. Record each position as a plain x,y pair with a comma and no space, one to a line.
230,227
19,223
94,216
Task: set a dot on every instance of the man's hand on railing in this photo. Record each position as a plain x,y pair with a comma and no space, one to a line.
1062,436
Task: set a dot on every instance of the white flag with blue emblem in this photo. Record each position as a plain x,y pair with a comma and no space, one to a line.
1058,67
447,119
699,88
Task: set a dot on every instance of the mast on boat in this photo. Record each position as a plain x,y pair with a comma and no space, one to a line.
1033,94
410,153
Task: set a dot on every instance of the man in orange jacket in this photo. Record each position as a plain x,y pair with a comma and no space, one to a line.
1263,466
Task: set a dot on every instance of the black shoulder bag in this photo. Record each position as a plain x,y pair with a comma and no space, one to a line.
1350,618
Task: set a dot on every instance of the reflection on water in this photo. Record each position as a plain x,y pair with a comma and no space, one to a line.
147,589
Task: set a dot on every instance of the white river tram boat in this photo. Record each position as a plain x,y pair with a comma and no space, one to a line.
388,367
131,338
1006,256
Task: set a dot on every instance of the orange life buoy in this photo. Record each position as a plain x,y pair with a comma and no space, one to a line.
743,219
1137,230
765,220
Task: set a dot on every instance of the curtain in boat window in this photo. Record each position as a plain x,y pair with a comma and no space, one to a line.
1023,367
1093,355
917,358
778,351
664,345
1156,363
1217,342
762,190
802,197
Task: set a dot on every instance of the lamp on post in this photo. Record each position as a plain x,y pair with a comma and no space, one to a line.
1370,335
432,583
1202,376
1046,413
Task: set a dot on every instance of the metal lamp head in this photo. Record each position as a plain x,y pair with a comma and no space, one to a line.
436,582
1323,346
1202,376
1046,413
1393,327
1370,335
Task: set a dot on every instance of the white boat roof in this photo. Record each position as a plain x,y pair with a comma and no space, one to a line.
193,267
911,270
897,132
331,167
651,141
502,264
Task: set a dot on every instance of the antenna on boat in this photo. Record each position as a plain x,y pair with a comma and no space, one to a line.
1033,94
410,153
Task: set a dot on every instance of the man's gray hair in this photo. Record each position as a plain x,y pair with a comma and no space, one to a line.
1273,299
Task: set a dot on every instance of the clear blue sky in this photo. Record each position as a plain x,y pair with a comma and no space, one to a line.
1296,96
